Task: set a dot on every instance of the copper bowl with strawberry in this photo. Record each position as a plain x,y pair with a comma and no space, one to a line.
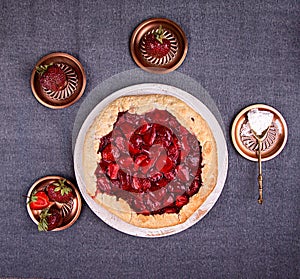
158,45
58,80
53,203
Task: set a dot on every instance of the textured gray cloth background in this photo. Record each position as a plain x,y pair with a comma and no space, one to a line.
241,52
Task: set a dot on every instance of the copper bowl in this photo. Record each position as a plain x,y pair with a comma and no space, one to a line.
179,46
272,145
72,209
75,86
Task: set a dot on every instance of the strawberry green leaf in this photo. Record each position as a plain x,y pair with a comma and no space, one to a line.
60,186
159,34
42,68
33,197
43,224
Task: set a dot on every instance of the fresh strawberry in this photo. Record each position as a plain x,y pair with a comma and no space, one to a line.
156,44
39,200
50,219
52,77
60,192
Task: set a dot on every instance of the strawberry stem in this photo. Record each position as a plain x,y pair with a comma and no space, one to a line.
43,224
60,186
159,34
42,68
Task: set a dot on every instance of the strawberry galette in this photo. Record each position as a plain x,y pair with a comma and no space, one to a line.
150,159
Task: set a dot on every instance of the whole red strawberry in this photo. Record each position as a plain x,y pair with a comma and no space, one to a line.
50,219
38,200
156,44
52,77
60,192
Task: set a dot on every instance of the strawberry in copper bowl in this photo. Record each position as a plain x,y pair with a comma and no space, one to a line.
52,77
59,191
50,219
156,44
58,80
38,200
53,203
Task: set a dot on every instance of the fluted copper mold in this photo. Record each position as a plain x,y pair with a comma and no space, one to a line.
251,142
246,144
76,81
70,211
168,63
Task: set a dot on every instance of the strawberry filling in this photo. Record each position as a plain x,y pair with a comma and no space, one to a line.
151,161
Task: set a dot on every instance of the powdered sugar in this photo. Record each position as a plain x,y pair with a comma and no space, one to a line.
259,120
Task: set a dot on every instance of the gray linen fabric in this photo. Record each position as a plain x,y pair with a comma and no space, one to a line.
241,52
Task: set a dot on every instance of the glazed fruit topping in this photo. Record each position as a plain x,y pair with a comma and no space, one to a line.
151,161
156,44
52,77
59,191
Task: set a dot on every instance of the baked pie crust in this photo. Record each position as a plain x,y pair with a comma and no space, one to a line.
140,104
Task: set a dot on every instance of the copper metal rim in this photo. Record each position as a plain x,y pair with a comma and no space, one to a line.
77,203
45,98
148,26
274,143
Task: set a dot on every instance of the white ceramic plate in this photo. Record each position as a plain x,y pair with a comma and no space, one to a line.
197,105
